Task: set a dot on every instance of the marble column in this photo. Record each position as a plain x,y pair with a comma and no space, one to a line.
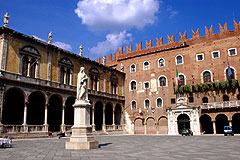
63,129
45,118
25,129
214,127
29,66
104,124
93,124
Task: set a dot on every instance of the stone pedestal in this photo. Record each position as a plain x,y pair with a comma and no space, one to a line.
82,137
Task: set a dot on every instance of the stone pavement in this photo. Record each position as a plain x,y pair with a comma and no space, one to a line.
130,147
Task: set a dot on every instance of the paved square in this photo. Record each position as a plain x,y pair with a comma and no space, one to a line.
130,147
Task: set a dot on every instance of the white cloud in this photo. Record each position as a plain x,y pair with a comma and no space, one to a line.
117,15
63,45
172,12
112,42
36,37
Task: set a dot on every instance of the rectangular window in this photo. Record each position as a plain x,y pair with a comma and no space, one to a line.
232,51
215,54
146,85
173,101
191,99
200,57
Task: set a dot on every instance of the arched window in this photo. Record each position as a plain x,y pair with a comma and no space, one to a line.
94,77
66,71
204,100
133,85
161,63
134,104
146,65
162,81
133,68
181,80
179,59
147,103
225,98
230,74
29,64
114,84
206,76
159,102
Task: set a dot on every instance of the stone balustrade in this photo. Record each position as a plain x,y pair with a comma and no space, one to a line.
225,104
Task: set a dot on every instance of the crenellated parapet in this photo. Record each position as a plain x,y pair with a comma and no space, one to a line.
171,43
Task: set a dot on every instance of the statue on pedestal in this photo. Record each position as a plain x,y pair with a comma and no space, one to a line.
82,86
6,17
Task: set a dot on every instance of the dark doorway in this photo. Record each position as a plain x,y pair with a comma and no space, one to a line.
69,111
54,113
13,107
36,108
98,115
236,123
183,122
221,121
206,124
109,114
118,113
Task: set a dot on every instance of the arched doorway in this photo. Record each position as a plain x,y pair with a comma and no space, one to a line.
54,113
138,126
151,127
98,115
36,108
163,125
13,107
206,124
236,123
109,114
221,121
69,111
118,114
183,121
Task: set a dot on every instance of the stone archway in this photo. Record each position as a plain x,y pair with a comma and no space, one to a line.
118,114
98,115
13,107
69,111
221,121
36,108
138,126
236,123
54,113
151,127
206,124
109,114
183,121
163,125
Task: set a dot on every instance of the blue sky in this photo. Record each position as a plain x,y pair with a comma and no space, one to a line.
102,26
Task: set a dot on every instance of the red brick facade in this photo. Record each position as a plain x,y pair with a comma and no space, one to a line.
154,119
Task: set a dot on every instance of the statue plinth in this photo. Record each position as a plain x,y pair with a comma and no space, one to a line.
82,137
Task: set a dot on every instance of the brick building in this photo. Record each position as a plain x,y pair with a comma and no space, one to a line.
193,83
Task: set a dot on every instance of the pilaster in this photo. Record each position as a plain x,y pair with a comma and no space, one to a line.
3,52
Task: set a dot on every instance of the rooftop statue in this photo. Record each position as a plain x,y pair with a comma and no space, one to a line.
50,38
6,17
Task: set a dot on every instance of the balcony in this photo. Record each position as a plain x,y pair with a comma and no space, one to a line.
225,104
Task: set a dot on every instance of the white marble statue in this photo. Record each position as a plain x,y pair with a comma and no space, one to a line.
6,17
82,85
